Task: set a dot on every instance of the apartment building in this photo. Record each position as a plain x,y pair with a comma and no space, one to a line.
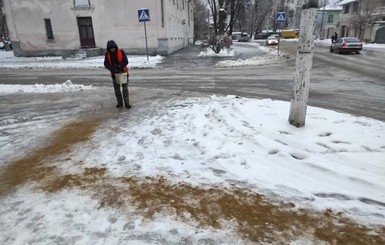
364,19
59,27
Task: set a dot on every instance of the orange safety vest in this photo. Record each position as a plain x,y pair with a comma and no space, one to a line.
120,59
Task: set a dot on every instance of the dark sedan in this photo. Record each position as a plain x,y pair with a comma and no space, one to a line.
346,45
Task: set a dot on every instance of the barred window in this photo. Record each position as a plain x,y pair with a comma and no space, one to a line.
48,28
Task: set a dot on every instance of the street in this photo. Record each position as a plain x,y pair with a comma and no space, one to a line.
347,83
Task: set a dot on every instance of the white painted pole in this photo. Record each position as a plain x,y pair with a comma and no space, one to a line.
145,35
304,61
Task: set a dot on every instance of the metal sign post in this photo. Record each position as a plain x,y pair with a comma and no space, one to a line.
281,18
144,16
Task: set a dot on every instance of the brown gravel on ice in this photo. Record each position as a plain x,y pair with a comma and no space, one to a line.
250,214
31,167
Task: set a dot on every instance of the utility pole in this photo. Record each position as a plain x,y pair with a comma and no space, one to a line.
304,62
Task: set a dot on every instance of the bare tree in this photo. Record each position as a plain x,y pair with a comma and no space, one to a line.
362,17
221,10
263,10
3,26
234,8
201,20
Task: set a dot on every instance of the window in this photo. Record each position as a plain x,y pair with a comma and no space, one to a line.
162,11
346,9
82,3
355,7
48,28
330,18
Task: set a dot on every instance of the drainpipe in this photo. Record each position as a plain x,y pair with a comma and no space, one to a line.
322,21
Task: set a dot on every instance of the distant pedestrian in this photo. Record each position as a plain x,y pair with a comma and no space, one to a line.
116,62
335,36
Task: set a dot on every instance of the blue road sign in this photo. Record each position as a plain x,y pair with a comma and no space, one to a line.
143,15
281,17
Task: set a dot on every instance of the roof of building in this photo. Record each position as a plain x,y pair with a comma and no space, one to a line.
334,5
347,1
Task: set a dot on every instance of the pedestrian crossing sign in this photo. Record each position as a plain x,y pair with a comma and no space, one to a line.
143,15
281,17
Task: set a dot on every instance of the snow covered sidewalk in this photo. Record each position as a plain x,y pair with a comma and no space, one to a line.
192,171
7,60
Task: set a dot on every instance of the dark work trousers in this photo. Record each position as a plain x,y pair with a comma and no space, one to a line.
118,93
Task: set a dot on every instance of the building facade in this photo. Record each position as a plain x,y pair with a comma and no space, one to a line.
329,19
59,27
364,19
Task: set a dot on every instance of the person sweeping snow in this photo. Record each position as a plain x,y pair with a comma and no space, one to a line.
116,62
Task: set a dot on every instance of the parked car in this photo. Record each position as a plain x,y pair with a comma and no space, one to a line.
346,45
261,36
236,36
244,37
272,40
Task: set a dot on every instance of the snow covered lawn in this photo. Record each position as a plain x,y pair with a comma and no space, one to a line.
193,171
7,60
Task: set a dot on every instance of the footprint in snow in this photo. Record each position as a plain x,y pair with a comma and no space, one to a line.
367,148
298,156
245,165
340,142
371,201
320,118
337,196
280,141
325,134
363,123
339,121
273,152
284,132
218,172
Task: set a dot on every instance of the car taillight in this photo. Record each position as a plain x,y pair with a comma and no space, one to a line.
344,44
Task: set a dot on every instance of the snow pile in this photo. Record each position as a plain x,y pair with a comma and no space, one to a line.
9,61
336,161
6,54
67,86
272,58
374,45
210,53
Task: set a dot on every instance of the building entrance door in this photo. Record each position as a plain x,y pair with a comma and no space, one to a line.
86,32
380,35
